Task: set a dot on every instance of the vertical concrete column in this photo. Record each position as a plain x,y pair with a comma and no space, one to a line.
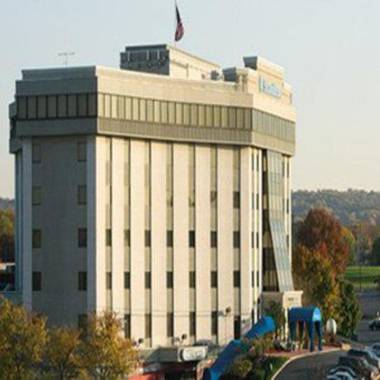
26,247
158,246
181,239
246,249
260,227
137,239
117,215
225,243
202,242
96,224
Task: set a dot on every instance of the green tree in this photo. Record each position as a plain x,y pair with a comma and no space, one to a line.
61,357
349,309
105,354
22,341
276,311
349,237
6,235
313,273
375,254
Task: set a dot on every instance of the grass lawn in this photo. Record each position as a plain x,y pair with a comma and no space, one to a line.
368,275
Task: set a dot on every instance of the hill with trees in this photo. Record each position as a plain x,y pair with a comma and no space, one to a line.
350,207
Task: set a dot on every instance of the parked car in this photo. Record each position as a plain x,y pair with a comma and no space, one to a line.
211,346
374,324
343,373
361,367
375,348
366,354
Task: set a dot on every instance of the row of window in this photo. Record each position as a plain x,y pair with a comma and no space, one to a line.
82,238
81,195
83,320
152,111
81,152
82,280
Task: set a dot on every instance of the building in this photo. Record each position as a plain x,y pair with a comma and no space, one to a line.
160,190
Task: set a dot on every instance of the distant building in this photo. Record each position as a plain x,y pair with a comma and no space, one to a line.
160,191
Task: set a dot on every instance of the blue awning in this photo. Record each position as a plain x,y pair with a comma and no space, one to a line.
305,314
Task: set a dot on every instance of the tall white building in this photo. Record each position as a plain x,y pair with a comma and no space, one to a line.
161,190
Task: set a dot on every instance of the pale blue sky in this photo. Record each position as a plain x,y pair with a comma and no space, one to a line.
329,48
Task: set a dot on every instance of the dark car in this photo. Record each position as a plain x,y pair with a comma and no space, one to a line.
367,355
344,372
361,367
374,324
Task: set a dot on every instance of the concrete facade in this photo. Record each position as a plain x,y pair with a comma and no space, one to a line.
160,191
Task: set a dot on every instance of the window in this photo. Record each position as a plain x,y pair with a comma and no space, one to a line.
214,279
236,279
170,325
214,239
82,281
127,238
82,237
191,239
37,239
147,238
108,237
62,106
41,107
81,151
213,198
236,199
82,322
237,327
192,279
214,323
253,279
37,281
148,326
236,239
127,280
192,321
109,280
169,238
148,280
127,326
169,280
72,105
36,153
82,105
82,195
36,195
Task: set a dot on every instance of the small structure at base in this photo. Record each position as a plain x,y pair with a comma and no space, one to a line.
309,316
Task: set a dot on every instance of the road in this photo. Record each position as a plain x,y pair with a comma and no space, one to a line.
310,368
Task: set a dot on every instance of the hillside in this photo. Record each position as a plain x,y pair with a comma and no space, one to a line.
349,206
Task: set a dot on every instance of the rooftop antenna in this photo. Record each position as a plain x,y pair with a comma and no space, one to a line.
66,55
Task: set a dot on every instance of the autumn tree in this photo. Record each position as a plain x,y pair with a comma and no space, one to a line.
321,232
61,357
105,354
277,312
22,341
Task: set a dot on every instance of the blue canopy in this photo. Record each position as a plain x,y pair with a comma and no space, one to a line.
305,314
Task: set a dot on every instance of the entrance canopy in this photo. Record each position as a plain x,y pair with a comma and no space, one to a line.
305,314
311,317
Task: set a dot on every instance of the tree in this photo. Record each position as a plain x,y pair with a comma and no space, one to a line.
351,242
276,311
22,341
321,232
375,255
6,235
349,309
313,273
106,355
61,357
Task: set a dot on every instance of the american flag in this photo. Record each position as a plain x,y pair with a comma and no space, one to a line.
180,31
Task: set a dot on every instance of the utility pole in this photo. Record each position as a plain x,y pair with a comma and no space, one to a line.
66,55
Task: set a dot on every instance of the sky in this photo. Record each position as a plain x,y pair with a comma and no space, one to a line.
330,51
